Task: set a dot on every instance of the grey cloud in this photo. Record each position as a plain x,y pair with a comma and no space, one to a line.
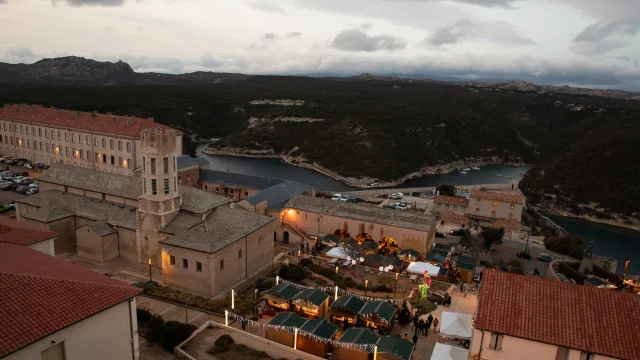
20,55
269,36
605,11
599,31
366,26
498,32
261,5
358,40
487,3
91,2
4,1
295,34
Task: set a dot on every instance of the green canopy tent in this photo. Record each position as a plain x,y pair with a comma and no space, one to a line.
394,348
379,314
315,336
288,321
346,308
409,255
362,342
442,247
311,303
280,296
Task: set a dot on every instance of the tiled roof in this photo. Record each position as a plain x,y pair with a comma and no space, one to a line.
277,195
186,161
516,198
20,233
102,228
237,180
48,213
42,295
81,121
222,227
562,314
451,217
507,224
451,200
361,212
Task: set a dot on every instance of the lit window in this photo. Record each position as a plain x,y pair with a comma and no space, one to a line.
493,213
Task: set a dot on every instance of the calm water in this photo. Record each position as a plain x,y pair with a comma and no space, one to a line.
612,241
278,169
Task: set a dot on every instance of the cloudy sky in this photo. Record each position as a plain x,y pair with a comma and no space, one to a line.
593,43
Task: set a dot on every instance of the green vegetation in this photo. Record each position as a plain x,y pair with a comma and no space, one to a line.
492,236
571,245
225,346
447,190
169,334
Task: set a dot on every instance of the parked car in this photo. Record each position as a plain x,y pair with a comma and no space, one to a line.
39,165
523,255
10,205
440,234
14,187
31,191
345,197
5,174
25,181
21,189
545,257
353,199
18,178
403,206
5,159
12,162
459,232
28,165
336,197
6,185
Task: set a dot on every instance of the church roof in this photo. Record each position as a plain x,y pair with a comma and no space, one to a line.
278,194
101,228
222,227
237,180
182,222
47,214
186,161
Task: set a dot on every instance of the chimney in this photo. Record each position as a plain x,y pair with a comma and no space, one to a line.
129,121
57,112
113,119
150,119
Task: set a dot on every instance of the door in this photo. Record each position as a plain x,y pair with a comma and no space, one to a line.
285,237
56,352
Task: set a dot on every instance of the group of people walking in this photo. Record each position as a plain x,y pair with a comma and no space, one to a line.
421,327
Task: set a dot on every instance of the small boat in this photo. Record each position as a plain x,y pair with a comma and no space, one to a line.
466,169
475,168
464,172
504,176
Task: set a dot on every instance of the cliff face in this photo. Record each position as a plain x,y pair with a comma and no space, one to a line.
73,70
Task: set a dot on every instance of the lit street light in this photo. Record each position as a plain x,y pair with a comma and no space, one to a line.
395,286
366,286
149,270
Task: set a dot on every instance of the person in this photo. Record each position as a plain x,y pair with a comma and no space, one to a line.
449,301
415,338
415,322
461,288
421,326
345,323
259,312
430,318
244,323
427,326
435,325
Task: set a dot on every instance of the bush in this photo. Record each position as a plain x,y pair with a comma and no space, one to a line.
360,287
224,340
328,273
306,262
293,272
143,315
404,317
571,245
174,333
315,268
265,284
321,282
350,282
381,288
156,325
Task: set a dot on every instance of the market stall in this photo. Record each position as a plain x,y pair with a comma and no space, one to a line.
373,260
465,270
315,336
449,352
338,253
394,348
396,264
378,315
455,325
311,303
344,311
331,240
419,267
284,335
359,342
279,297
409,255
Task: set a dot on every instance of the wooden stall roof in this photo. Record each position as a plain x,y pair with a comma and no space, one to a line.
436,256
321,328
442,247
288,319
380,308
397,346
349,303
283,290
360,336
464,266
314,296
410,252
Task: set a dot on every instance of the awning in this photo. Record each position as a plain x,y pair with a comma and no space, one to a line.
419,267
338,252
455,325
448,352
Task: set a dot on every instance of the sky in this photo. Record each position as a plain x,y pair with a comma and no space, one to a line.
587,43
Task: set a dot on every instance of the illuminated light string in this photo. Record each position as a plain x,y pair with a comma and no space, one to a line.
340,291
292,329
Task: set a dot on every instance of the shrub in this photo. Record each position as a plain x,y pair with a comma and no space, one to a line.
143,315
224,340
265,284
360,287
571,245
405,315
292,272
328,273
174,333
320,281
156,325
315,268
350,282
306,262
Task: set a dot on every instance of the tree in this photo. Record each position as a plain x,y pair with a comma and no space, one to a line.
405,315
571,245
492,236
447,190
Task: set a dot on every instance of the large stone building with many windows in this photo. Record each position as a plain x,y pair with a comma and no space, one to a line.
102,142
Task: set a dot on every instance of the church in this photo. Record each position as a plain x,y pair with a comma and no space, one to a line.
203,243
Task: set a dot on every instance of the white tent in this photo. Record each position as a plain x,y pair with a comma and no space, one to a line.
419,267
337,252
448,352
455,325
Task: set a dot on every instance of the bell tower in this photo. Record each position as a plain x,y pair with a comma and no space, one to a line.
160,201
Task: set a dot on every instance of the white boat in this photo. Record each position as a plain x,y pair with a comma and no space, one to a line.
466,169
475,168
464,172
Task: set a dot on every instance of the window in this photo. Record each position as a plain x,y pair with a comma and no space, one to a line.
188,176
95,141
587,356
55,352
493,213
439,204
455,206
217,190
446,205
153,187
79,139
510,215
231,191
119,145
222,264
495,203
240,254
172,260
120,162
496,341
246,193
113,160
128,147
144,190
73,137
477,210
66,151
66,136
40,132
174,164
47,145
74,153
27,129
88,140
185,263
46,133
198,266
40,145
165,165
80,155
10,127
111,144
104,158
88,155
29,144
59,135
97,157
512,206
153,166
104,142
127,162
21,130
166,186
175,183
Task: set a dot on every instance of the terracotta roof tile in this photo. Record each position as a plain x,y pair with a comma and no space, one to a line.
584,318
507,224
41,295
451,200
20,233
516,198
81,121
453,218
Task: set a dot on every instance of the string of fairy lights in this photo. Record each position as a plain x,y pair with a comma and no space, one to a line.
332,289
365,347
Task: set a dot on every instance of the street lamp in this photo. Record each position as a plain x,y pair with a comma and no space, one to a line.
366,286
186,309
298,256
149,270
335,278
626,264
395,286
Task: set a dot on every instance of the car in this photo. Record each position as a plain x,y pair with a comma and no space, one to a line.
22,163
25,181
14,186
523,255
6,174
5,159
545,257
31,191
39,165
6,185
459,232
18,178
336,197
353,199
345,197
22,189
10,205
403,206
28,166
440,234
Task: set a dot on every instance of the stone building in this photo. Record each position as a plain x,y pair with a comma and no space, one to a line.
189,170
105,216
443,204
319,217
104,142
